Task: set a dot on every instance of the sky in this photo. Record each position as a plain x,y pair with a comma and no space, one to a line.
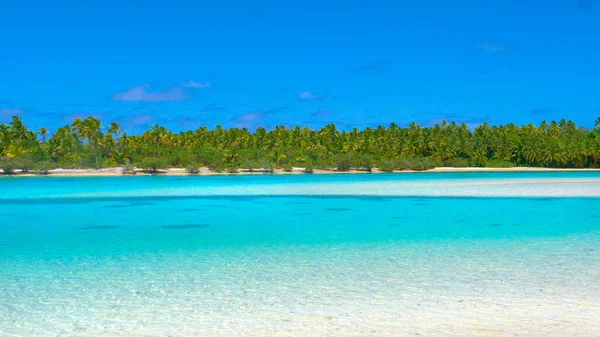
188,63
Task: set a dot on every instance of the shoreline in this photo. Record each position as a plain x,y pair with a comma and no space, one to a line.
118,171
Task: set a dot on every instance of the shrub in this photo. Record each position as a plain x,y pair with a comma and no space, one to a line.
179,158
422,164
387,165
42,167
69,160
403,164
457,162
153,164
8,165
27,165
266,164
24,164
365,162
415,164
128,168
232,168
207,156
255,164
308,168
216,166
193,168
499,163
343,162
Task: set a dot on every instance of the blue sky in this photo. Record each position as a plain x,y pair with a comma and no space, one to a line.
188,63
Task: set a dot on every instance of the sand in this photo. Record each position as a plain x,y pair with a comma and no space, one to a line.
118,171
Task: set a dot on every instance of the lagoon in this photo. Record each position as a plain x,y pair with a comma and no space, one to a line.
442,254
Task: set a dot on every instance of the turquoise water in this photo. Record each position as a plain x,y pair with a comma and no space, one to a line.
406,184
269,256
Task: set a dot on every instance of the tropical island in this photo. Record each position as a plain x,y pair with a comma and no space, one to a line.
87,145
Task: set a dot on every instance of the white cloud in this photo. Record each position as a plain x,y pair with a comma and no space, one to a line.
142,94
307,95
194,84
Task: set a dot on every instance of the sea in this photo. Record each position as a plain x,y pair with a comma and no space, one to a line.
405,254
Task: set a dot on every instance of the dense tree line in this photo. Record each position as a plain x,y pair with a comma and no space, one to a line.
86,143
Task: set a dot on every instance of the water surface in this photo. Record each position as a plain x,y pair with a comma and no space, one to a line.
111,256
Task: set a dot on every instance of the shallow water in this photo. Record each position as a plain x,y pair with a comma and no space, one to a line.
111,256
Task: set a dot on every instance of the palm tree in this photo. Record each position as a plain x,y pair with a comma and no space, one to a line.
556,144
18,130
76,127
115,129
42,131
90,130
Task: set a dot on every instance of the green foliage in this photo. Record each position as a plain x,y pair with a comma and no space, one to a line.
457,162
422,164
180,158
387,165
364,162
11,165
343,162
193,168
232,168
258,164
499,164
216,166
152,164
86,144
128,168
25,164
42,167
8,165
414,164
401,164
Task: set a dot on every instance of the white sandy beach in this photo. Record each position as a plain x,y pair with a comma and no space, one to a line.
204,171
